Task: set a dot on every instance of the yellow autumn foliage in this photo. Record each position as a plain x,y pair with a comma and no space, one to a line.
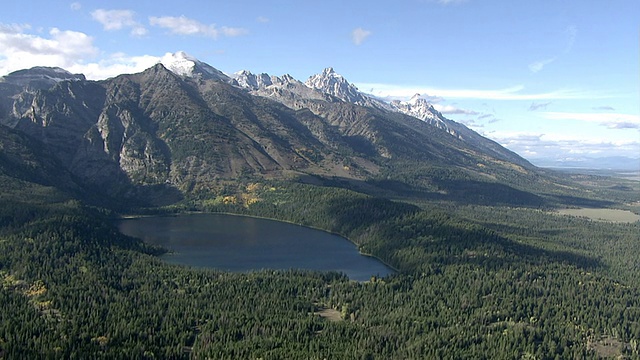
230,199
36,289
253,187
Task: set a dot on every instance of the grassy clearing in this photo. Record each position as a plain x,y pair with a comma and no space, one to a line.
613,215
330,314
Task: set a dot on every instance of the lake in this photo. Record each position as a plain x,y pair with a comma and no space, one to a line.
241,244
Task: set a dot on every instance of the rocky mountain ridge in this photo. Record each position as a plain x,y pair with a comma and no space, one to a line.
423,110
40,77
293,93
330,86
161,133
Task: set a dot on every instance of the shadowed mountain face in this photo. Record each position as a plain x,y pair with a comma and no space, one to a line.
158,134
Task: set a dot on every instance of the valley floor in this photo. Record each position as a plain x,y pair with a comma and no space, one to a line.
474,281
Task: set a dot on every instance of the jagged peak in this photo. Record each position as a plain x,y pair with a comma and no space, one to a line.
328,75
420,108
331,72
246,79
415,102
335,84
160,68
415,98
243,73
286,79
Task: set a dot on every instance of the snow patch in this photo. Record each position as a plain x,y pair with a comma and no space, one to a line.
183,64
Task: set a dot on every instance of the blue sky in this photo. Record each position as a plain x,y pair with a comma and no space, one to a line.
547,79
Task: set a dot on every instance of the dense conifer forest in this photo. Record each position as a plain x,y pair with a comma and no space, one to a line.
473,281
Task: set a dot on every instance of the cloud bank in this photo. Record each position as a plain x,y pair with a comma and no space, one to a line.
23,48
558,146
401,92
609,120
62,48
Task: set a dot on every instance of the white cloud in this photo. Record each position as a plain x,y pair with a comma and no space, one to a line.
263,19
13,28
69,50
401,92
559,146
610,120
539,65
75,6
119,19
62,48
570,34
488,118
184,26
537,106
116,64
450,109
74,51
233,32
359,35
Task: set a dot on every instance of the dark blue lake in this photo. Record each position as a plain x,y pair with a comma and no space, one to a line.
241,244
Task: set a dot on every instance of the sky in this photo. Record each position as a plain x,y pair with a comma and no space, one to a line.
548,79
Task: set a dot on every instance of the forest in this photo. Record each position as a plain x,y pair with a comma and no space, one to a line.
478,282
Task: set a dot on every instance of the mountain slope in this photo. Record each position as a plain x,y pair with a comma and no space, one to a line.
23,160
156,128
331,87
156,135
40,77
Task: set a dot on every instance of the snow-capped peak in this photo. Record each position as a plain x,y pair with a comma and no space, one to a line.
251,81
330,72
335,84
420,108
415,99
179,63
286,78
416,107
329,85
183,64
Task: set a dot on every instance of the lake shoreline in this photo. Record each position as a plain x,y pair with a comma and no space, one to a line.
392,269
316,228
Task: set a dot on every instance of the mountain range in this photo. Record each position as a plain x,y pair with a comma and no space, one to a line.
183,127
